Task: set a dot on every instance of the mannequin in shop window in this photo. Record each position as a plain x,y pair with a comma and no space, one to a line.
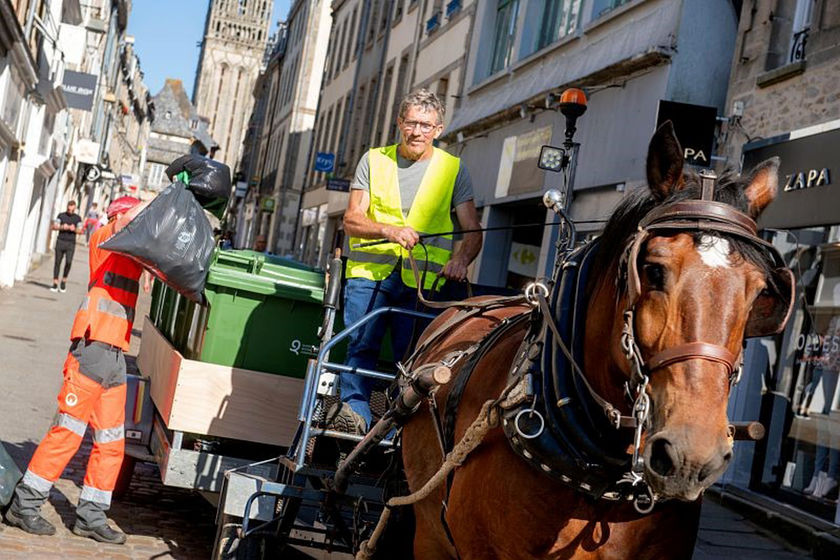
827,459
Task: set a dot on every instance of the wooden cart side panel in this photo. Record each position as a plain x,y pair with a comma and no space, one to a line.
215,400
161,363
236,403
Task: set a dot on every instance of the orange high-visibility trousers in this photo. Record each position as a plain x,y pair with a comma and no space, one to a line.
94,393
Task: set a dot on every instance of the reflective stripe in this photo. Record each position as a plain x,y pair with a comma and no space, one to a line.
39,483
116,309
377,258
85,303
421,266
121,282
109,434
92,494
75,425
439,242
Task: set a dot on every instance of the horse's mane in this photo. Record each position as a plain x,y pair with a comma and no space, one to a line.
624,221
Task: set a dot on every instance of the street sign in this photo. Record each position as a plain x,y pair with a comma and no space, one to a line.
324,162
341,185
695,129
93,173
241,189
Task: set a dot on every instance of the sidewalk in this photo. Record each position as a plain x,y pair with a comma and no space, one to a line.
34,329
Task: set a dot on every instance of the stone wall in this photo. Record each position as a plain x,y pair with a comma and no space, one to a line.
791,95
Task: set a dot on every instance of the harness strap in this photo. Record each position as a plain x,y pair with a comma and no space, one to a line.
613,414
486,304
693,351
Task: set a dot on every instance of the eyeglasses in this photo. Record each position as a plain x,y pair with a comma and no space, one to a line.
425,128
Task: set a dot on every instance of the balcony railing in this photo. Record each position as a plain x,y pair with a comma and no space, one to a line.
433,23
797,49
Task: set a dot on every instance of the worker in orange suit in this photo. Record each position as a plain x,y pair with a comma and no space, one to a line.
93,393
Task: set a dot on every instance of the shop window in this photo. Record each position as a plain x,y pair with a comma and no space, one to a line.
803,467
504,34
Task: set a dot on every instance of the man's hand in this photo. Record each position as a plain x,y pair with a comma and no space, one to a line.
147,281
405,236
455,270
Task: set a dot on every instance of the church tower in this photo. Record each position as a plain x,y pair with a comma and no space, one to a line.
235,37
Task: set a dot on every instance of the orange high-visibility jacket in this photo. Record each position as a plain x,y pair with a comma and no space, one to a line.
107,312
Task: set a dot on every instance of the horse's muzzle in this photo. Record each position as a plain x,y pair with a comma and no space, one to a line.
675,469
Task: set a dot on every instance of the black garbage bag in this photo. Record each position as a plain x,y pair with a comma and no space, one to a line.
9,476
209,181
171,237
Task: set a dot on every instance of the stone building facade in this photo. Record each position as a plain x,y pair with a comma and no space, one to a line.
784,101
378,52
177,129
235,38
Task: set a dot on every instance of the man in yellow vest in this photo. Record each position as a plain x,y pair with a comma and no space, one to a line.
399,193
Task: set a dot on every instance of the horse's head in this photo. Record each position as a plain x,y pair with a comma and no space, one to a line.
695,285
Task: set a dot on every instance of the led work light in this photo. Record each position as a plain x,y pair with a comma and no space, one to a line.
551,158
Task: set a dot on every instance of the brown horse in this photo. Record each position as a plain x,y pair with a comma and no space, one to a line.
694,286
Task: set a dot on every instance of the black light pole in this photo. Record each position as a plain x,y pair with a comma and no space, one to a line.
572,105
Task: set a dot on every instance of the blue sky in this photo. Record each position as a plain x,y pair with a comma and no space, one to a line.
166,33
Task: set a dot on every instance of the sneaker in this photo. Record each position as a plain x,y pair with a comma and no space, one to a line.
34,524
54,288
63,287
816,481
825,488
342,418
102,533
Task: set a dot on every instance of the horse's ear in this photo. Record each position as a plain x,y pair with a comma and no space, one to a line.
664,162
762,186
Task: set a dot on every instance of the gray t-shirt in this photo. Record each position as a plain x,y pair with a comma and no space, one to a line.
409,175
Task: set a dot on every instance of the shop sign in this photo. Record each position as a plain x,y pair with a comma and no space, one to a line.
86,151
806,195
518,171
694,126
324,162
341,185
79,89
523,259
807,179
267,204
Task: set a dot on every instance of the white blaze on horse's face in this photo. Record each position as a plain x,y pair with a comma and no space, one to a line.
714,251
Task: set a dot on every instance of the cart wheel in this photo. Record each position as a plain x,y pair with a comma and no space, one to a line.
226,538
124,476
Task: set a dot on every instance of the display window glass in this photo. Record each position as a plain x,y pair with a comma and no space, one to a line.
800,461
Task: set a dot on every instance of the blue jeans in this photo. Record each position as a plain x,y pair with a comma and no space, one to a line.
361,296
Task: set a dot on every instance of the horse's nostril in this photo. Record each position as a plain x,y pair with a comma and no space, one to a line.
727,457
662,457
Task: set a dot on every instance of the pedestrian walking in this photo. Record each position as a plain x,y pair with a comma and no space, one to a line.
399,192
67,225
91,221
93,392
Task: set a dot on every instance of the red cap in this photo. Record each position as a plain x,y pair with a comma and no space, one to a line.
122,204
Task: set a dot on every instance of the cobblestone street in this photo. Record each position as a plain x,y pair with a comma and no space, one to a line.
160,522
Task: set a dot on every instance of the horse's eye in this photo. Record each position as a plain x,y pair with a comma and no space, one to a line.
654,275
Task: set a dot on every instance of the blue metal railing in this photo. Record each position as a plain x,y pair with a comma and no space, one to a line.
313,374
433,23
453,7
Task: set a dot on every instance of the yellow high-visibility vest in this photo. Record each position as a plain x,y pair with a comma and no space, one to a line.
430,213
